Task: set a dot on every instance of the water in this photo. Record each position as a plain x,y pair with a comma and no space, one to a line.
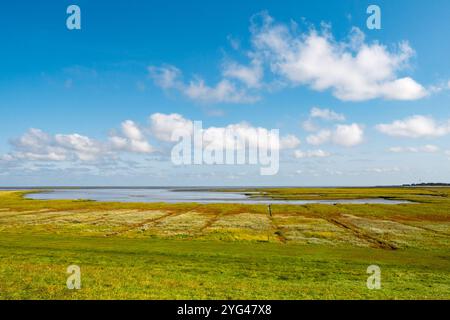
178,195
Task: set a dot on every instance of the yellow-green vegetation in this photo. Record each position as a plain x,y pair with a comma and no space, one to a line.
229,251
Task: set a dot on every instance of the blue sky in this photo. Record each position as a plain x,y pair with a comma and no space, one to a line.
65,95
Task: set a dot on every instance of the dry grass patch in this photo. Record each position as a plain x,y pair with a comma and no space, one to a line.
314,230
177,225
241,226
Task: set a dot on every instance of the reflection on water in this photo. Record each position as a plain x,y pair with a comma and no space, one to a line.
179,195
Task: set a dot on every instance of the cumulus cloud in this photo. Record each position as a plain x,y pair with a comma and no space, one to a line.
311,154
348,135
289,142
166,77
426,149
36,144
163,127
240,136
322,114
416,126
326,114
249,75
132,139
225,91
244,133
84,148
343,135
323,136
310,126
352,69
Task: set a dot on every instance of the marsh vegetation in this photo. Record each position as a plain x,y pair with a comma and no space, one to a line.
229,251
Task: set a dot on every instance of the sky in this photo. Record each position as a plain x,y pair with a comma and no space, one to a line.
98,106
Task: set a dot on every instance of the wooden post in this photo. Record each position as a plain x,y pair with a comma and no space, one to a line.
269,209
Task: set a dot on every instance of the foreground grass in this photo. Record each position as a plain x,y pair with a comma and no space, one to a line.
35,266
192,251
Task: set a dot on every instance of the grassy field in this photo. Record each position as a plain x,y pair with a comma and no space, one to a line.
229,251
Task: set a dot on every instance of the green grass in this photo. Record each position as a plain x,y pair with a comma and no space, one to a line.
217,251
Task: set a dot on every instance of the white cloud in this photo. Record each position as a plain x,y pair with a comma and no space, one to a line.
234,42
309,125
382,170
323,114
351,69
132,139
38,145
441,86
163,125
348,135
34,140
311,154
131,130
250,75
416,126
225,91
242,135
326,114
323,136
426,149
244,132
83,147
289,142
166,77
343,135
50,156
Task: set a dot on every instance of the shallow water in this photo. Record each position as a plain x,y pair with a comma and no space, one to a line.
175,195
